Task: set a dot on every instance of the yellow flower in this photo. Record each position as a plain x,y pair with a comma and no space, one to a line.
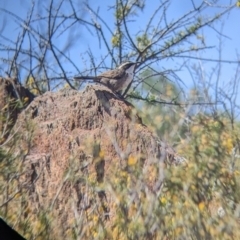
66,85
17,195
95,218
35,91
101,154
115,41
26,99
193,187
229,145
132,161
163,200
123,174
201,206
237,173
95,234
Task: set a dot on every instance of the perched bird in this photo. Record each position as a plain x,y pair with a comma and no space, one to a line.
116,79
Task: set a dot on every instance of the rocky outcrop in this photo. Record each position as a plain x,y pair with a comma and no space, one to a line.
13,98
76,141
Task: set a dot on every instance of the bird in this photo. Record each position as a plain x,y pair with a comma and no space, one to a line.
116,79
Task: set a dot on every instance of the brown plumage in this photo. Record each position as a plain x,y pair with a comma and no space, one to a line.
116,79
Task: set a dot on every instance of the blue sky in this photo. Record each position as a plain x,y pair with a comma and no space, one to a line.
228,26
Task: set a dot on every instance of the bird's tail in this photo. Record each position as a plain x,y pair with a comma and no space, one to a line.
86,78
